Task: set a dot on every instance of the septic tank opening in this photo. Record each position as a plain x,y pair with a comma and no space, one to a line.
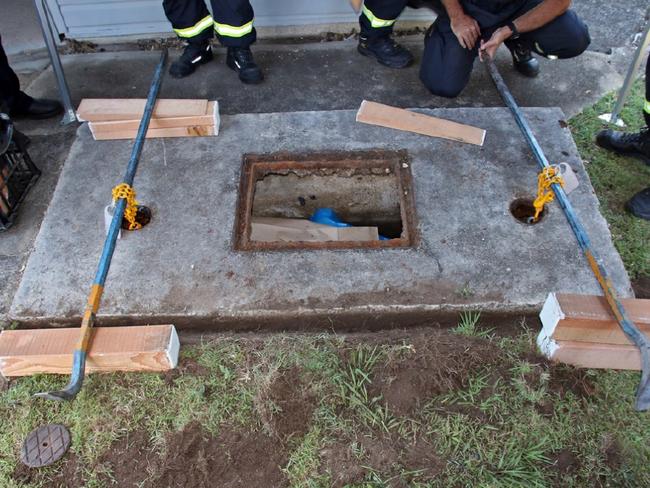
523,210
334,200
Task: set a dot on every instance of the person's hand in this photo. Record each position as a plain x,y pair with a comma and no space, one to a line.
466,30
489,48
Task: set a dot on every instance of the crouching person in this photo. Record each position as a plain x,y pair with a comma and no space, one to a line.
463,27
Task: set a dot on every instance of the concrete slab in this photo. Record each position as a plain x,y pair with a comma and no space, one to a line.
181,268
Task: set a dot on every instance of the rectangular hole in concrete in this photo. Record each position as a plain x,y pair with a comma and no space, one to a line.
365,188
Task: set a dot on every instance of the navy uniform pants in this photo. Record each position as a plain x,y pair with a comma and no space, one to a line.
646,106
10,95
232,22
446,65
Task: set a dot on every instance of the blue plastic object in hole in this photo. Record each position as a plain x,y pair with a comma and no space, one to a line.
327,216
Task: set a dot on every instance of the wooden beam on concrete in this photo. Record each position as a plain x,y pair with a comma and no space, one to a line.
588,318
191,131
138,348
581,330
211,118
104,109
397,118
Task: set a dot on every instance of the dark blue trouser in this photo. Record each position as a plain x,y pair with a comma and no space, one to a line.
446,65
232,21
646,106
10,94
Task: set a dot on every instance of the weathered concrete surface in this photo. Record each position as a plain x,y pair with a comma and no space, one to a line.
471,254
330,76
48,154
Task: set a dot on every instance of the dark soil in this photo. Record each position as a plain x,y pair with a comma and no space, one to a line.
232,459
193,459
641,287
396,459
68,474
439,362
295,405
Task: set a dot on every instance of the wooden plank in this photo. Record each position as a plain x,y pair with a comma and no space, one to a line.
588,318
600,356
211,118
270,229
192,131
103,109
396,118
139,348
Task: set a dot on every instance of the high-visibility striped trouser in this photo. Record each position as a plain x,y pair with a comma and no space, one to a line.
378,16
232,21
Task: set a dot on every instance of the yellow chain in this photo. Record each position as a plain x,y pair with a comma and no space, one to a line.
128,193
545,195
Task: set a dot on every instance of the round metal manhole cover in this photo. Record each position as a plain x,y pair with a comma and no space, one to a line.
45,445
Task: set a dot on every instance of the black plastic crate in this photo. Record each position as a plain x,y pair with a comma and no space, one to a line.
17,172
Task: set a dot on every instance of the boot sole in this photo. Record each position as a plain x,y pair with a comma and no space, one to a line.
369,54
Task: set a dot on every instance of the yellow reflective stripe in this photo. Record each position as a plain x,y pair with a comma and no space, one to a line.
375,21
196,29
232,30
646,107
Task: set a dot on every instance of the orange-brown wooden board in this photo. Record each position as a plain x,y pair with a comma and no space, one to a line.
103,109
138,348
588,318
397,118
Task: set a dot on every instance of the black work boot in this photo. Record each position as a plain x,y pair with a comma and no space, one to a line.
523,60
636,144
386,51
639,204
241,60
195,54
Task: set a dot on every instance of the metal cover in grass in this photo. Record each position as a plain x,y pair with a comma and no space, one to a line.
45,445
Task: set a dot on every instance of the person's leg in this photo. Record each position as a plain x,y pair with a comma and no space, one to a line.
446,65
233,23
17,103
376,20
191,22
636,144
646,105
565,37
10,95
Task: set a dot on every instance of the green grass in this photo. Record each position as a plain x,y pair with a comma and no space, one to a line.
492,432
616,178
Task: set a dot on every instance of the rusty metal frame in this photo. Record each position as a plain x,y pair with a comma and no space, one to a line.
256,166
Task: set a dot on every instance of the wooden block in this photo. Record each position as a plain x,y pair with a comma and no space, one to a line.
270,229
588,318
103,109
400,119
140,348
598,356
192,131
209,119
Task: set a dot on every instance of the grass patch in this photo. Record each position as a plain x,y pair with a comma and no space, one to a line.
523,423
616,178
